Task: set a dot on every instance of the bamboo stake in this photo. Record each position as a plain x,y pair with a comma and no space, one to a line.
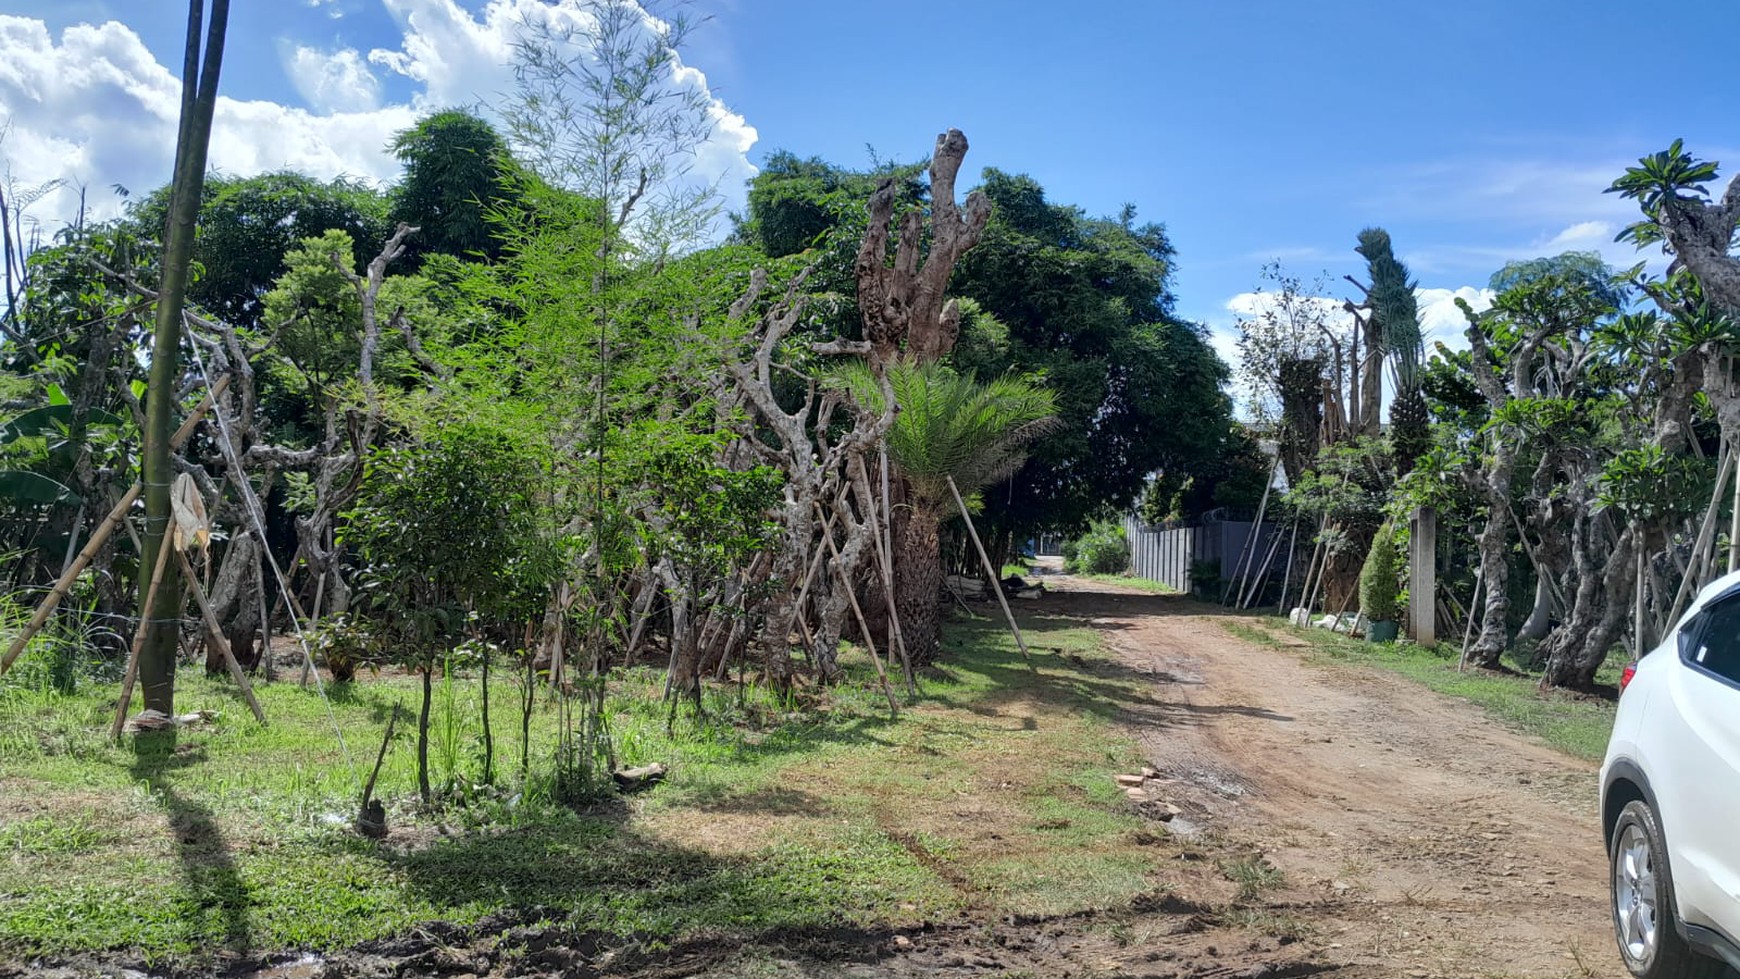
216,636
996,584
1254,584
1468,631
1250,542
1308,587
132,674
101,535
869,640
1637,624
884,552
1734,530
1287,577
1706,532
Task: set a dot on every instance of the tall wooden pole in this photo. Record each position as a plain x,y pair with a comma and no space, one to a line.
199,81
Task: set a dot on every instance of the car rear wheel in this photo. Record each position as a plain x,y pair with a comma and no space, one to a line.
1645,918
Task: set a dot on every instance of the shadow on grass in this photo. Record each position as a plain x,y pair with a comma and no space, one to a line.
614,879
214,901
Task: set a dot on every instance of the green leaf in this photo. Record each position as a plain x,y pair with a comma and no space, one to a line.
22,487
138,387
56,396
36,421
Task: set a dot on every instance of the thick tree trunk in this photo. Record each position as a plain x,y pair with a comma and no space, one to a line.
1371,387
237,604
918,584
789,568
1301,385
1494,543
1540,617
1578,648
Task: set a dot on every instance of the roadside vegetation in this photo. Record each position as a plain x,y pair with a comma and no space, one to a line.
992,791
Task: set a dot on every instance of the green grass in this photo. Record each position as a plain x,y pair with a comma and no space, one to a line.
1131,581
1576,725
992,791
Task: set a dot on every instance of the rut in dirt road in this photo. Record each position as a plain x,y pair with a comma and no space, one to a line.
1414,833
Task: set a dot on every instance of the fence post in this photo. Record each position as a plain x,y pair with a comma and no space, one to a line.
1423,576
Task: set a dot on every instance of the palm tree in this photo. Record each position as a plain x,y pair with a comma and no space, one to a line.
950,426
1397,313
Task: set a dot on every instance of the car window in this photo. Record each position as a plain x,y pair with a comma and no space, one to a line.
1715,644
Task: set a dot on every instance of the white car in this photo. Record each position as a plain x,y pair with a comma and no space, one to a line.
1670,797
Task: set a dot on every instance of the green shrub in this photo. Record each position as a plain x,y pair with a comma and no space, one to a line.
1102,550
1205,578
1378,588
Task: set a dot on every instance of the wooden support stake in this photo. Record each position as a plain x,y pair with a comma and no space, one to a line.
1706,532
869,640
1637,641
1250,543
132,674
1468,631
1734,529
996,583
99,536
1253,584
1287,577
217,636
884,547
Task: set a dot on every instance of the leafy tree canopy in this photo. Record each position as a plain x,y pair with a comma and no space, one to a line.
248,225
1082,302
456,168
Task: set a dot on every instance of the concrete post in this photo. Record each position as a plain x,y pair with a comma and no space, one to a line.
1423,577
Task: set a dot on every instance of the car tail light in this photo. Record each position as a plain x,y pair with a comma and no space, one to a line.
1625,676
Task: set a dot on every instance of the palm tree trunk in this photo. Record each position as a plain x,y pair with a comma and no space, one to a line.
918,583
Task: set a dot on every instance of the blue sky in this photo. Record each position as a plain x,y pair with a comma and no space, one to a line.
1475,131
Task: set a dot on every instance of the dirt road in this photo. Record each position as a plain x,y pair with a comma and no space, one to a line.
1415,836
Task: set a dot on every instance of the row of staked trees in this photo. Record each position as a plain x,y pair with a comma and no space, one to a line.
1578,452
519,403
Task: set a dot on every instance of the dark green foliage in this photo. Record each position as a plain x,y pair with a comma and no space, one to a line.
1103,549
1081,302
452,528
1086,304
1350,485
248,225
1658,180
456,169
1378,583
1235,480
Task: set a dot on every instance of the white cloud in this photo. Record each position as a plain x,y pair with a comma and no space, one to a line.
336,81
1442,320
1583,234
1252,304
96,107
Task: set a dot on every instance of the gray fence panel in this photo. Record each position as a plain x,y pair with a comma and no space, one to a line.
1166,555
